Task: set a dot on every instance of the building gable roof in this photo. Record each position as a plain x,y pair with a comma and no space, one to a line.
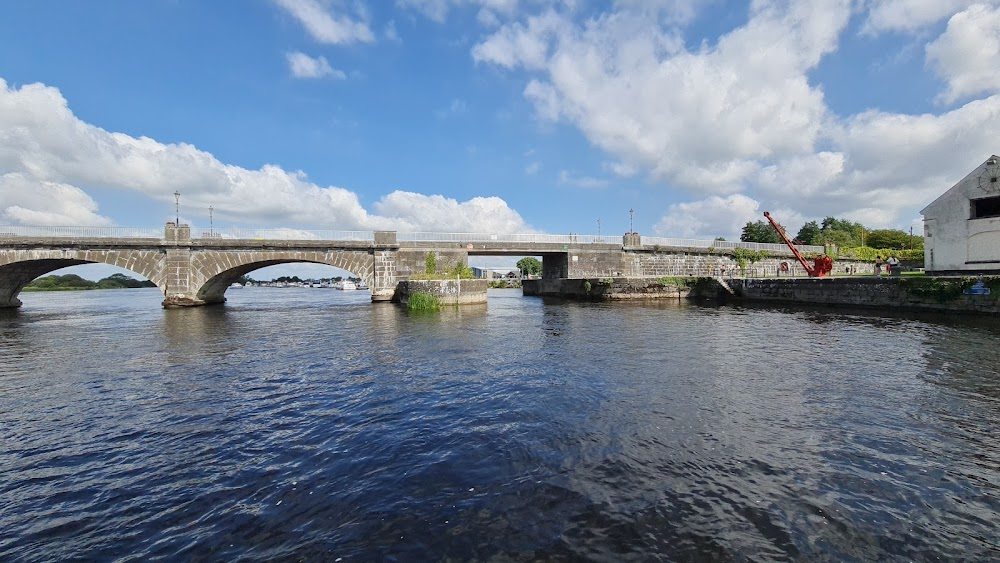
959,185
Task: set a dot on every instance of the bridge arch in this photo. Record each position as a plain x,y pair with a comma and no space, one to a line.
215,272
19,267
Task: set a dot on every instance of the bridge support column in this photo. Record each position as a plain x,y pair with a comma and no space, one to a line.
9,301
177,278
384,266
555,266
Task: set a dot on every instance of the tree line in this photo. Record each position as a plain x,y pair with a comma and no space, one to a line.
73,281
841,232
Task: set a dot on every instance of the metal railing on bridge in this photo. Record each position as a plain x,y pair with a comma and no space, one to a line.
281,234
367,236
82,232
509,238
727,244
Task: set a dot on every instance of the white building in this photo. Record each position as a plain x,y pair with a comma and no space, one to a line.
962,226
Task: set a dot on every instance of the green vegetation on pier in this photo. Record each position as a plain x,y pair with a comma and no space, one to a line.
421,301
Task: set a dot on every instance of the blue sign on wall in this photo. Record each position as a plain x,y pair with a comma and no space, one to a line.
978,288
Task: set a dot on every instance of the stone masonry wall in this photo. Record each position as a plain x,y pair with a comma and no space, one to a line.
884,293
696,264
448,292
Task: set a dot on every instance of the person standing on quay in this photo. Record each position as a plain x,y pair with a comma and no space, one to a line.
891,264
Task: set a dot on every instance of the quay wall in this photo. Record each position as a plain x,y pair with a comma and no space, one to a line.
617,288
448,292
917,293
924,293
697,262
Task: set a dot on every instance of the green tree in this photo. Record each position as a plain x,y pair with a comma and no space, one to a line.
809,234
840,232
529,266
430,263
893,238
462,271
119,280
759,231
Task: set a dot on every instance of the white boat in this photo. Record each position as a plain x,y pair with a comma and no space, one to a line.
345,284
236,285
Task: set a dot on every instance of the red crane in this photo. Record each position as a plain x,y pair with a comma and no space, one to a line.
822,264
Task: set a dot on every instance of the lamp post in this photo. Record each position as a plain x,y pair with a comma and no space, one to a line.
177,208
211,222
598,227
631,229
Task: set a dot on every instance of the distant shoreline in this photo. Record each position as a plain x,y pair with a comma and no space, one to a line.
29,288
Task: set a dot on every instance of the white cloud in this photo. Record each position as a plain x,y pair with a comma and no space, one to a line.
909,16
744,116
967,54
490,11
587,182
326,27
702,119
709,218
414,212
27,202
532,168
50,158
304,66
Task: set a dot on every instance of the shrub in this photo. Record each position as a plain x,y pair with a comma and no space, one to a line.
421,301
676,282
744,255
460,270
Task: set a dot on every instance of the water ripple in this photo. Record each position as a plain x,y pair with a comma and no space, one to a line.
313,425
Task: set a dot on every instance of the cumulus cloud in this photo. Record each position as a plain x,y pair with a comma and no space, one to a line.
413,212
304,66
24,201
702,119
50,158
325,26
909,16
709,218
742,116
967,54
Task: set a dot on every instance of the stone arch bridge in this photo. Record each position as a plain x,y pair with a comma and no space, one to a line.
198,271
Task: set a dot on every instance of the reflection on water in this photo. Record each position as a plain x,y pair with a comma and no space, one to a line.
313,425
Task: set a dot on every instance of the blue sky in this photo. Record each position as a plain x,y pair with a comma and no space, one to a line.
492,115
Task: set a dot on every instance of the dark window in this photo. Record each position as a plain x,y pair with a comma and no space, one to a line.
986,207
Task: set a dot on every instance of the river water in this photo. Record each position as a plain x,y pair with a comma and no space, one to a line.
312,425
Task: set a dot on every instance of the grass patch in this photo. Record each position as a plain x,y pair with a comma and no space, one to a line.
939,289
676,282
421,301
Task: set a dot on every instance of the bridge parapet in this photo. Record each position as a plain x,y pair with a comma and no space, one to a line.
176,233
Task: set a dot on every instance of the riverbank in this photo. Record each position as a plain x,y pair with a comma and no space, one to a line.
73,282
949,294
